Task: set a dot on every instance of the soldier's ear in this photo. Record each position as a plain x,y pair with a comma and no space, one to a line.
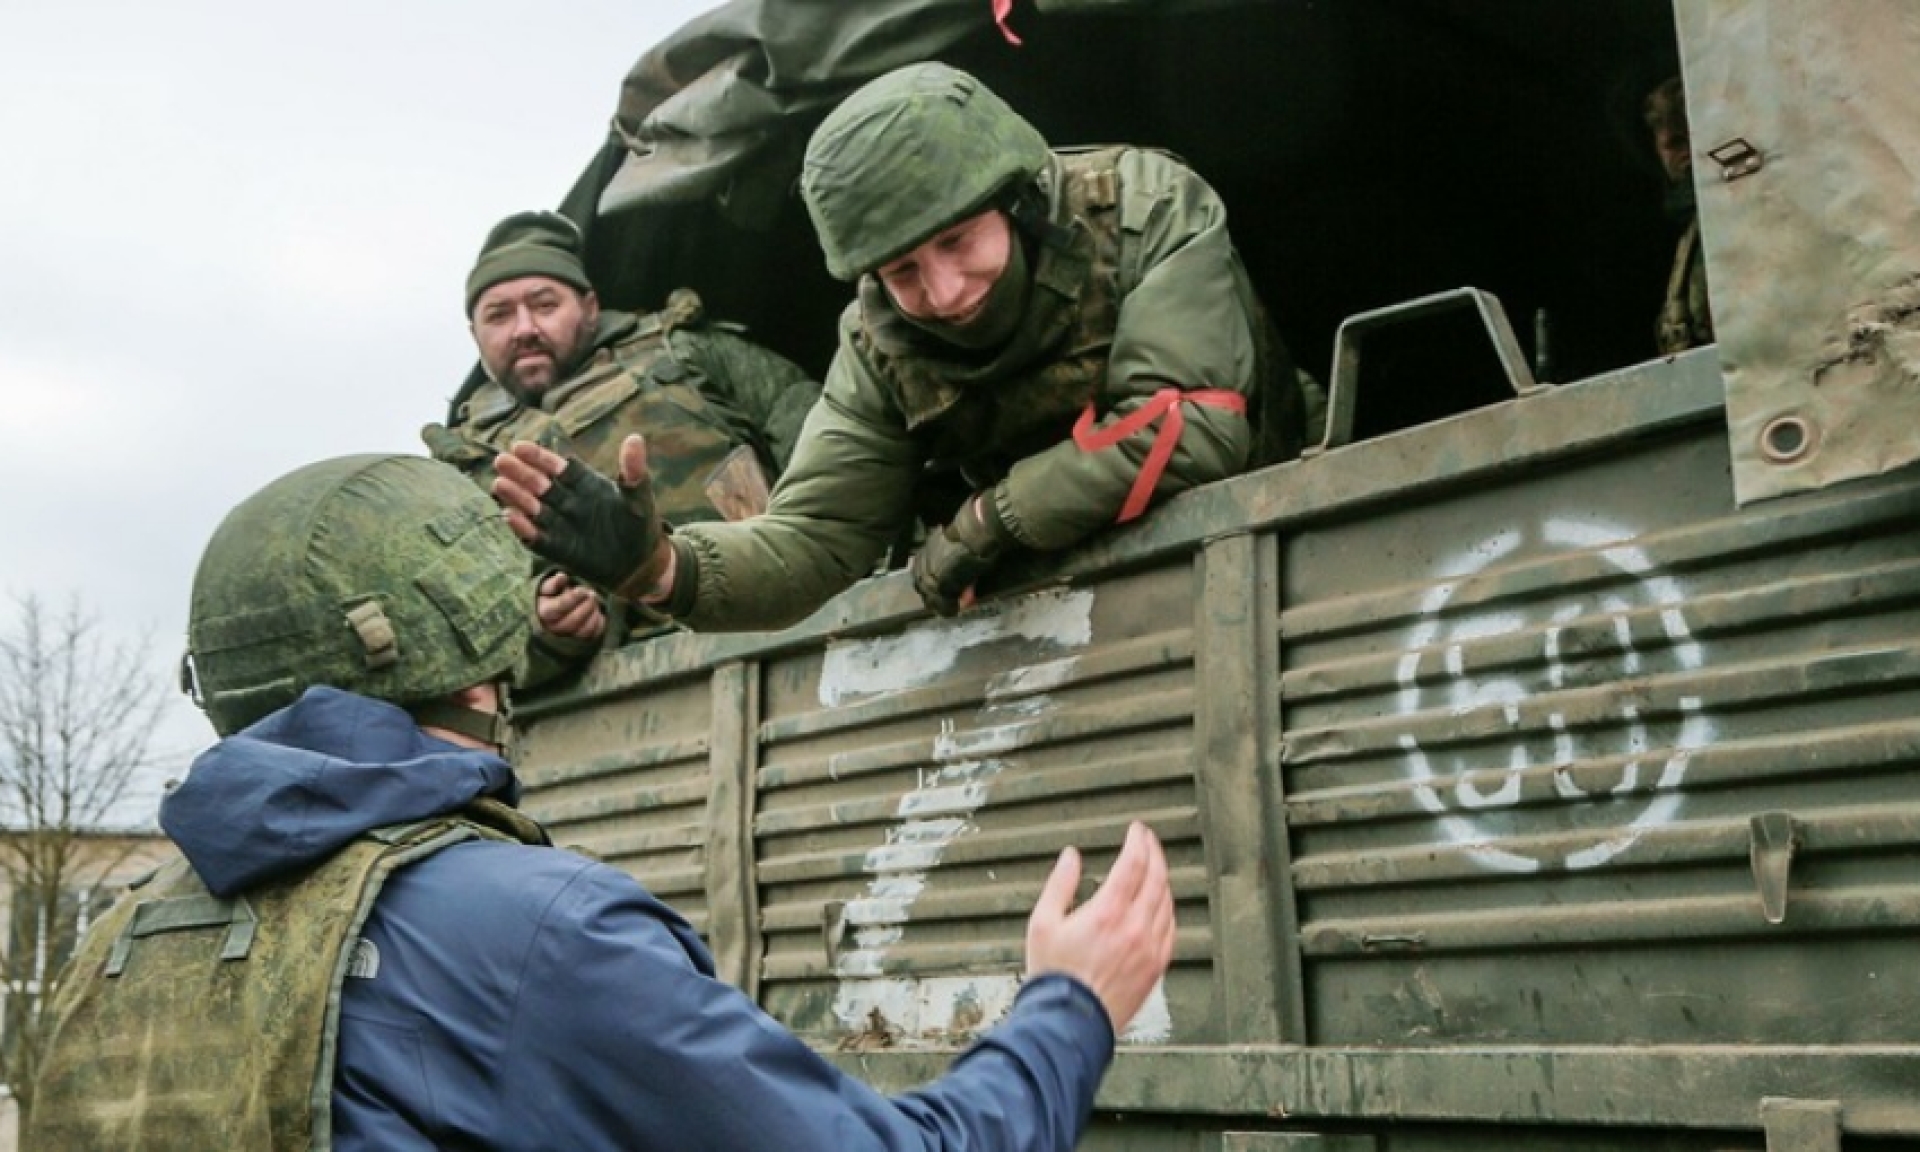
590,305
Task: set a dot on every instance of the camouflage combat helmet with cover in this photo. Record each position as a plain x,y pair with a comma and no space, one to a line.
389,576
921,148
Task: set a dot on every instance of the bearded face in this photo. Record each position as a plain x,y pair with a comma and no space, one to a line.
532,331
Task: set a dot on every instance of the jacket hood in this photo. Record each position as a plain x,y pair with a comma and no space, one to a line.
293,788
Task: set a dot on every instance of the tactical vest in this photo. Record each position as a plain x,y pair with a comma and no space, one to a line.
982,422
1686,319
634,384
189,1022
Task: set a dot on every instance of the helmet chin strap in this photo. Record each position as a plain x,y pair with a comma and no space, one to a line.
1030,213
490,728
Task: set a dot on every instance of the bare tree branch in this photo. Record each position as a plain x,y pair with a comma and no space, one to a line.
77,715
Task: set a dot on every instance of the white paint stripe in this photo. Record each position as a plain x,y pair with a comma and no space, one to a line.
1153,1024
938,831
1020,706
928,649
937,811
931,1007
875,938
903,888
955,1007
984,741
966,798
878,910
1033,678
905,857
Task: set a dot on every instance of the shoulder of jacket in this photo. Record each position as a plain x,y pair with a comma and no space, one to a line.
489,404
1154,183
1152,172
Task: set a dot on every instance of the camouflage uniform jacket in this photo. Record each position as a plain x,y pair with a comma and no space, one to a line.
1686,319
1136,290
696,391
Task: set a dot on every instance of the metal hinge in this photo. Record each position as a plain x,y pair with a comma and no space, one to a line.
1737,158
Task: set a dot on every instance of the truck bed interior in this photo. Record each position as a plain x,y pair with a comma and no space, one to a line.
1369,153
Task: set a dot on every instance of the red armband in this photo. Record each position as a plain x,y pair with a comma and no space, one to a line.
1162,406
1001,10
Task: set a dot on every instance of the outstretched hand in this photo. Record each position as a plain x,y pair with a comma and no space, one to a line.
1120,941
608,534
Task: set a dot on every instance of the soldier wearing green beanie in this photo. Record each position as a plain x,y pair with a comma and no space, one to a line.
529,244
1068,336
721,412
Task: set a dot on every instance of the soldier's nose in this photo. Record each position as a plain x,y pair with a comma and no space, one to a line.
944,289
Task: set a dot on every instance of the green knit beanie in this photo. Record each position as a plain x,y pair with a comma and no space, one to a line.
529,244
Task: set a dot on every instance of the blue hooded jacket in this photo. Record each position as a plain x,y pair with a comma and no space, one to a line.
529,998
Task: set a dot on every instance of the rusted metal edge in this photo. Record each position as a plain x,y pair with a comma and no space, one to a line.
1666,923
1257,992
732,893
1717,1087
1721,542
1724,840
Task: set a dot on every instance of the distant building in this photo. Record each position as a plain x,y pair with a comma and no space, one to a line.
37,944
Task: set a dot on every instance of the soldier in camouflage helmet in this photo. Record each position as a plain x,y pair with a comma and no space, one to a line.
366,946
1069,334
720,412
1686,318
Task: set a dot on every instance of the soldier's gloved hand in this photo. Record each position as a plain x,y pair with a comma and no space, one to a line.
607,534
954,558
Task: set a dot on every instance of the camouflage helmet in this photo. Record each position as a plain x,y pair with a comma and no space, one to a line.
389,576
912,152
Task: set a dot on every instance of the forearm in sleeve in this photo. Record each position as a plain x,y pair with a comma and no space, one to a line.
622,1040
1059,496
1184,324
836,509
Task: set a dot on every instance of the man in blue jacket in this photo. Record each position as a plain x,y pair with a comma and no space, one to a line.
368,947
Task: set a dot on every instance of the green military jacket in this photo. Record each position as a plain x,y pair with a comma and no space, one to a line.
696,391
221,1017
1137,289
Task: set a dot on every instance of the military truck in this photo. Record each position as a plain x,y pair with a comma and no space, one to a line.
1537,757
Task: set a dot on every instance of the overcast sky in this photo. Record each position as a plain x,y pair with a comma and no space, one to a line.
233,239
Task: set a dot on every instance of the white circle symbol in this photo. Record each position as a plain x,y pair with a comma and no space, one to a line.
1642,758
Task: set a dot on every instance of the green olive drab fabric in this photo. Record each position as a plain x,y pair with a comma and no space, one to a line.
705,108
1179,314
174,992
529,244
695,390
